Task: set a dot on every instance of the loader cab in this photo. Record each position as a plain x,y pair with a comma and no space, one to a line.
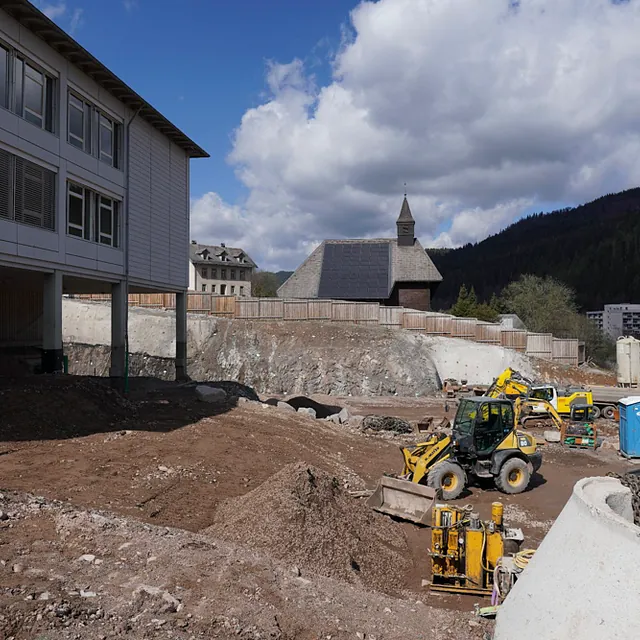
480,425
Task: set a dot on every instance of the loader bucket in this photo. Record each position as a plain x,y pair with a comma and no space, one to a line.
403,499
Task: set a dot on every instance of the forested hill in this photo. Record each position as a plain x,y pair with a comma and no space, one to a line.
594,248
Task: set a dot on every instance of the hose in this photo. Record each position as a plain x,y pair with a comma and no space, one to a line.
522,558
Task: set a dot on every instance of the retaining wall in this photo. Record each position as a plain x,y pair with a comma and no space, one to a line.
584,581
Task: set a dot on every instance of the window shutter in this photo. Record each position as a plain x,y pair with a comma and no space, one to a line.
6,180
35,195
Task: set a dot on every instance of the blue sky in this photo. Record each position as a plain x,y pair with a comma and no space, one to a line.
202,62
487,112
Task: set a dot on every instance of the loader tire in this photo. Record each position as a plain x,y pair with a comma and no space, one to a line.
514,476
448,478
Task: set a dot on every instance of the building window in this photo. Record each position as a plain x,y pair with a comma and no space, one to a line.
26,90
27,192
213,288
241,291
233,274
79,123
214,273
223,289
204,288
241,274
205,272
92,216
233,289
223,273
79,212
92,131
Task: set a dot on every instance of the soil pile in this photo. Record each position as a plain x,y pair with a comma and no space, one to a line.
302,516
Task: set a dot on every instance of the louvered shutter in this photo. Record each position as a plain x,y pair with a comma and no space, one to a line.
6,181
35,195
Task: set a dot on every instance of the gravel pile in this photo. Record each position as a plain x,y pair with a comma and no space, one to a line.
303,516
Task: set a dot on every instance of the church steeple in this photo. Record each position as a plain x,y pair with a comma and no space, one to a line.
406,225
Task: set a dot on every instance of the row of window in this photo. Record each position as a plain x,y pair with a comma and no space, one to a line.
28,196
223,289
223,273
32,94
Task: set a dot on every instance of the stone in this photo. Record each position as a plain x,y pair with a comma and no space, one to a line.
356,422
307,411
17,568
335,418
296,571
163,469
3,515
45,595
87,557
87,594
285,406
552,436
242,400
210,394
473,623
344,415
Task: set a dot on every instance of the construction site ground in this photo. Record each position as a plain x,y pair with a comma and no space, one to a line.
106,499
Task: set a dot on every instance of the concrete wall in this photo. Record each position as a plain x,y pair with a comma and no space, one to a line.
583,582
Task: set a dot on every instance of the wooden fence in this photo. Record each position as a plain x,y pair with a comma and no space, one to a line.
540,345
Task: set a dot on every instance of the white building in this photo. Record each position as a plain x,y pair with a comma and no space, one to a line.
221,270
94,190
618,320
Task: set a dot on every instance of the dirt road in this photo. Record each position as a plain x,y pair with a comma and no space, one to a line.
164,459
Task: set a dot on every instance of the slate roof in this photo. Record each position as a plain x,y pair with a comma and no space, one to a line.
406,264
405,212
212,255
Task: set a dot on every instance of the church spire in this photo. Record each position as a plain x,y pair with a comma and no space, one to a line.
406,225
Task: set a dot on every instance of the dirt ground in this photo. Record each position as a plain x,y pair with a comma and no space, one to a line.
123,470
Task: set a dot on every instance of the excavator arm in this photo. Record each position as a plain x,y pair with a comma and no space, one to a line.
523,406
509,384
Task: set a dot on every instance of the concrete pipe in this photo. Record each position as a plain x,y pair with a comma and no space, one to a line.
584,580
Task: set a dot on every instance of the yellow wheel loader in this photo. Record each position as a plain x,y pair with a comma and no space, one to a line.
484,443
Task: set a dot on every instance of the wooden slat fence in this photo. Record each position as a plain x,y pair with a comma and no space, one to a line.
540,345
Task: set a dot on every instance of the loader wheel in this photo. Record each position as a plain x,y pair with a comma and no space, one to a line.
449,478
514,476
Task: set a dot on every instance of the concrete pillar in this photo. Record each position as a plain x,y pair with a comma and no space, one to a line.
52,323
181,336
119,317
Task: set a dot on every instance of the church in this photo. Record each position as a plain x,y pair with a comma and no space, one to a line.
392,271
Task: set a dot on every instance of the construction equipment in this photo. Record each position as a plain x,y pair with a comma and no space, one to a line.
483,444
512,384
472,556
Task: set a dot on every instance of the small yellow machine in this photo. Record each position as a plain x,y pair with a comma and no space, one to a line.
469,555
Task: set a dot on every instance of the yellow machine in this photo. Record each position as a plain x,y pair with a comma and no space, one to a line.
483,444
549,399
472,556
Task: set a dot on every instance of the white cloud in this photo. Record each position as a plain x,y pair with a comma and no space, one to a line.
52,11
76,20
483,108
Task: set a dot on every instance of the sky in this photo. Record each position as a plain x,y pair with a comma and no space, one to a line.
316,113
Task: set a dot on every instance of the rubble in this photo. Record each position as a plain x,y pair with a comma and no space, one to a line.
210,394
386,423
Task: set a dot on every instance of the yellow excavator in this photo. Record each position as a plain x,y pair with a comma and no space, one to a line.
484,443
538,399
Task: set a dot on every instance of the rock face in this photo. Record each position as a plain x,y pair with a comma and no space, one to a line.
272,357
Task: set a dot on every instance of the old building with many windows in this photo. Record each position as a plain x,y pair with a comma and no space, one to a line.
221,270
94,192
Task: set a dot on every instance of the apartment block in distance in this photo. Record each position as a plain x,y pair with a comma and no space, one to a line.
221,270
618,320
94,191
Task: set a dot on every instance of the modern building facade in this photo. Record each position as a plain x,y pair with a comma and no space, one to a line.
392,271
221,270
617,320
94,190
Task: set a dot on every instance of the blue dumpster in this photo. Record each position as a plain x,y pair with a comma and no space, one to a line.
630,427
